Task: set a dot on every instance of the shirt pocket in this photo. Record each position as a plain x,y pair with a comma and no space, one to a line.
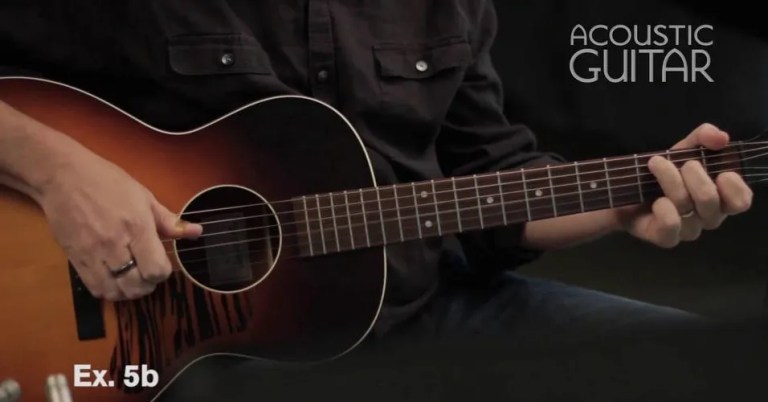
421,78
217,54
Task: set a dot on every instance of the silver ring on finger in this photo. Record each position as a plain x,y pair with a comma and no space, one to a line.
688,214
123,269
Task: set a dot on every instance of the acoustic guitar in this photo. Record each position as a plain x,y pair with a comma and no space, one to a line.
291,265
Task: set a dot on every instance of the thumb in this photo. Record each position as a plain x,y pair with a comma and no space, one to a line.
169,224
707,135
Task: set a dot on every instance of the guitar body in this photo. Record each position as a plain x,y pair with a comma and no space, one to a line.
295,309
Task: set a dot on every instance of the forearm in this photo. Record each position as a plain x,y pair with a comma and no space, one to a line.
567,231
30,152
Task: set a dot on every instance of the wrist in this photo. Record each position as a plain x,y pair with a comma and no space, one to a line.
32,156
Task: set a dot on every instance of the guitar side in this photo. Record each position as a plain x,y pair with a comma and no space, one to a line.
306,309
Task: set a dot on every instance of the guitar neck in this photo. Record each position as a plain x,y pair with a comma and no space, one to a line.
342,221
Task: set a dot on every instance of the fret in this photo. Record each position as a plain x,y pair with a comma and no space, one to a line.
416,209
373,217
333,219
344,232
381,217
578,186
358,218
437,213
565,180
678,156
349,221
539,193
491,207
525,192
594,190
552,191
704,159
466,197
309,231
639,179
426,209
501,198
408,213
320,221
623,179
389,213
456,203
397,208
479,205
608,183
443,192
513,189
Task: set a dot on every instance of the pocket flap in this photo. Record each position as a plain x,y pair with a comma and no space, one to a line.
217,54
416,61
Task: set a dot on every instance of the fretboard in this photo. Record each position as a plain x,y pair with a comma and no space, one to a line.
340,221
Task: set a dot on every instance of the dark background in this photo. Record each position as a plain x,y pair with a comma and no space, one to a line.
724,273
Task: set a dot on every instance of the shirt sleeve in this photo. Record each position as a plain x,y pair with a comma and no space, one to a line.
477,138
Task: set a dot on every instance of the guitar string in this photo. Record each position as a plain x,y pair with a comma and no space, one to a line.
697,150
294,256
409,197
343,236
344,227
428,204
379,221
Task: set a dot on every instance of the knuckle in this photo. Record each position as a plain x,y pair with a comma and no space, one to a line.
668,243
709,195
691,236
113,296
745,202
133,223
671,223
107,242
133,293
96,289
692,165
712,225
157,271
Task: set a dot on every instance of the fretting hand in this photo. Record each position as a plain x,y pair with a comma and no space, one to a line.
692,201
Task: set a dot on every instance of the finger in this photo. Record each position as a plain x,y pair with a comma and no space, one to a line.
133,285
111,261
735,193
169,225
671,182
703,191
665,224
151,257
691,228
707,135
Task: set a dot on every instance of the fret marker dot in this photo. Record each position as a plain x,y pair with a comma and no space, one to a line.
423,194
593,185
489,200
539,193
428,224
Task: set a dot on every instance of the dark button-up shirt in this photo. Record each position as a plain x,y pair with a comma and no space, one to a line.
414,78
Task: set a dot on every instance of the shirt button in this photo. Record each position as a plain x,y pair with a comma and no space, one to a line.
227,59
422,66
322,75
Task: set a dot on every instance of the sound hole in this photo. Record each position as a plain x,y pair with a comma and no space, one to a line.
240,242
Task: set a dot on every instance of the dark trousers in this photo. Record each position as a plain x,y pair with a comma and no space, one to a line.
526,312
